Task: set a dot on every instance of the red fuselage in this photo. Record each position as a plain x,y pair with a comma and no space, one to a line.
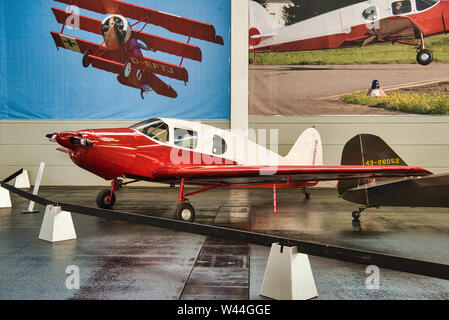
126,152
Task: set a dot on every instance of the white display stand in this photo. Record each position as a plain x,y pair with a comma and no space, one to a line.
40,173
5,198
57,225
22,181
288,275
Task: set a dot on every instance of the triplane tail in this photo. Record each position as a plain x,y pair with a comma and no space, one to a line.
308,149
367,150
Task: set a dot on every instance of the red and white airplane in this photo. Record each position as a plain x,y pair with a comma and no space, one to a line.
181,152
121,51
361,24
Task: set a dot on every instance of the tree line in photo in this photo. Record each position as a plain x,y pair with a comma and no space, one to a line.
305,9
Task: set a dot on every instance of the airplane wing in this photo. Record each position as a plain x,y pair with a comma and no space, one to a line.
159,67
173,23
232,174
106,65
81,46
143,63
152,41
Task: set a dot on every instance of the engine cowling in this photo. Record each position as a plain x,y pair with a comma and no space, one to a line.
116,31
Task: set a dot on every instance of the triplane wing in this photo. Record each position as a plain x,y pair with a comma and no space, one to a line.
176,24
153,42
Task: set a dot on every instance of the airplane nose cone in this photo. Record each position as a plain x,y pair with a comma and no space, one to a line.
63,138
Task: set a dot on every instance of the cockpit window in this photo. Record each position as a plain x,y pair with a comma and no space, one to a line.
154,128
401,7
425,4
186,138
370,13
220,146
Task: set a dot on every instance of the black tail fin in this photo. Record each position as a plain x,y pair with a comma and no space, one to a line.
367,150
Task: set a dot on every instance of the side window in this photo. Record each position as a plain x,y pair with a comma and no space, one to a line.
401,7
186,138
370,13
425,4
220,146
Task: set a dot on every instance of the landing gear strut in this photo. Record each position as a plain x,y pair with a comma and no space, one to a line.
184,210
307,194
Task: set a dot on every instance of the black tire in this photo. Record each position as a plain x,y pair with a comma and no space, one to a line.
424,57
86,59
185,212
356,215
103,199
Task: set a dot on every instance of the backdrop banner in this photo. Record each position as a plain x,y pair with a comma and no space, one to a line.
40,82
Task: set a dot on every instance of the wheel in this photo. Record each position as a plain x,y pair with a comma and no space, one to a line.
103,199
127,68
185,212
424,57
356,215
86,59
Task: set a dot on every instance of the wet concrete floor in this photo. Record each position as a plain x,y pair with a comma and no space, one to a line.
119,260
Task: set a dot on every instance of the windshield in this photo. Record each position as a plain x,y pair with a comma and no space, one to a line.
425,4
154,128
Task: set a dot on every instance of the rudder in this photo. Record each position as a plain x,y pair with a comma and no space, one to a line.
307,150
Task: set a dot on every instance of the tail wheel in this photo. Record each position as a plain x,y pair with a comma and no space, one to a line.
424,57
185,212
356,215
103,199
86,59
127,68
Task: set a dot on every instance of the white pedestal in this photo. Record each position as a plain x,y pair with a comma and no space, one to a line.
57,225
288,275
22,181
5,198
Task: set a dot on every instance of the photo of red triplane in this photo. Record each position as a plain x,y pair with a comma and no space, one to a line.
181,152
361,24
121,51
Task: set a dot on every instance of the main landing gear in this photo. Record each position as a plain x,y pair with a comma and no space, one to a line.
424,56
185,211
106,198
